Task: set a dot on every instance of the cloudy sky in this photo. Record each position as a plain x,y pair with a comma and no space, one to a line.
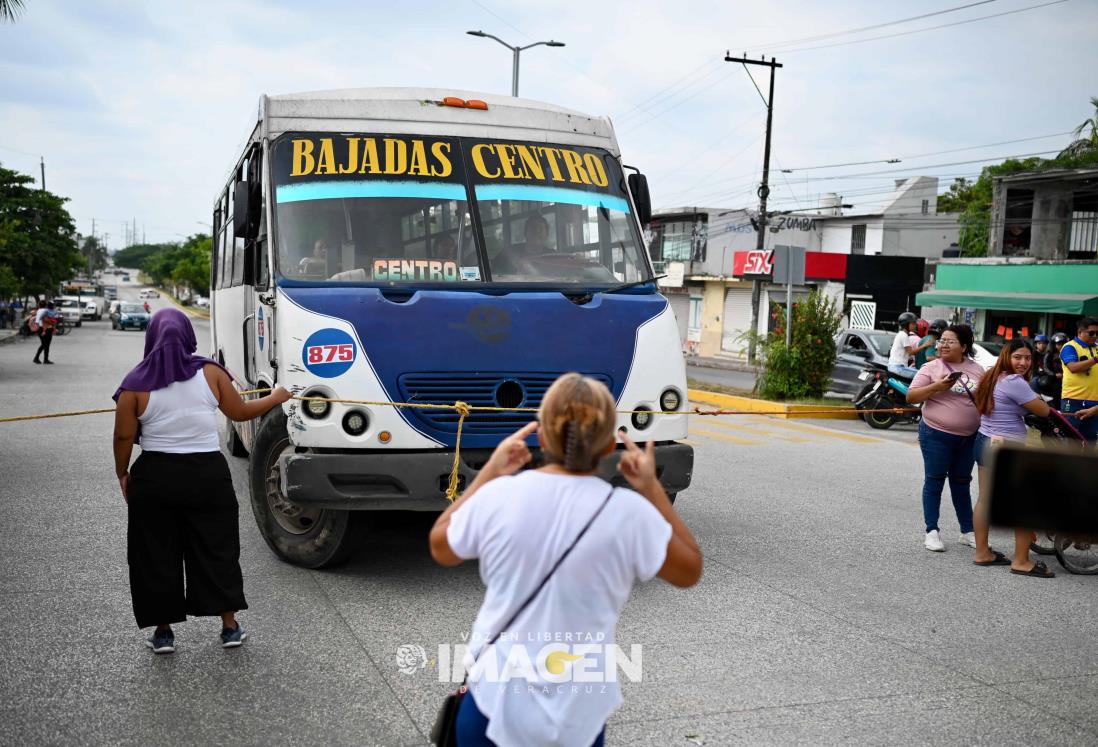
139,107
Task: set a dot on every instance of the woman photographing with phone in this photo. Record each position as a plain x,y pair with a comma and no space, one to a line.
947,431
559,551
1003,399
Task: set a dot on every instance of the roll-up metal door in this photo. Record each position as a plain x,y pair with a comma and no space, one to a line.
736,319
680,305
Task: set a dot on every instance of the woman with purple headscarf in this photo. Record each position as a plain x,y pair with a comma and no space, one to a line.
183,519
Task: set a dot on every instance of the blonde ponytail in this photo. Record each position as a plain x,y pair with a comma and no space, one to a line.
577,422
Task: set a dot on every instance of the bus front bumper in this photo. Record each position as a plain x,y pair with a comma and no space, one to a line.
417,480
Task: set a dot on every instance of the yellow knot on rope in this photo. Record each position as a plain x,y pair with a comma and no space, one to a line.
463,410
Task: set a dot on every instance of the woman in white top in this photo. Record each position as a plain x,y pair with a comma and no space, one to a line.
181,502
519,526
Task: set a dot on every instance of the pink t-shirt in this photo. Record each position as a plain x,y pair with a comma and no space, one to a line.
953,410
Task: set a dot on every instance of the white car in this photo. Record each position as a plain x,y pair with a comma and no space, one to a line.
149,293
71,309
983,356
91,311
202,302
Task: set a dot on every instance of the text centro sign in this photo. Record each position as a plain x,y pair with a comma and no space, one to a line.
329,353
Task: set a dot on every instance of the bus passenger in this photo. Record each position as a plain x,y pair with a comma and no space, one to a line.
180,499
523,528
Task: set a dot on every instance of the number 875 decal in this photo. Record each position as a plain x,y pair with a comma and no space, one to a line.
328,353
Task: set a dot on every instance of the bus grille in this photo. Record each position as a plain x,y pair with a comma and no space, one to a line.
478,390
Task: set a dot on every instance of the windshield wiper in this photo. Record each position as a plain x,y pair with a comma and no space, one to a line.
586,297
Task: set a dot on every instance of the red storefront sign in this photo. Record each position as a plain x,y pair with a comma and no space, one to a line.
752,263
817,265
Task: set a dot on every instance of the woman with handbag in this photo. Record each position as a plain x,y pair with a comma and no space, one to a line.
947,431
559,551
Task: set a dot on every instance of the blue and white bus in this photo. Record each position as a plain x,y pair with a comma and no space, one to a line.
415,245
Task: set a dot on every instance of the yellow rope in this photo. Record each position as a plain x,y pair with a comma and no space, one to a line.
463,410
452,488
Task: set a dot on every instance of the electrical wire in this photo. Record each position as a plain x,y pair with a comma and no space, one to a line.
922,30
874,27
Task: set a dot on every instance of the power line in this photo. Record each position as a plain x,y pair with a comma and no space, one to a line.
832,35
708,61
928,28
930,166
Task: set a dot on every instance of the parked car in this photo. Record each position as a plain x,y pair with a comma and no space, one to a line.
130,316
149,293
202,302
855,350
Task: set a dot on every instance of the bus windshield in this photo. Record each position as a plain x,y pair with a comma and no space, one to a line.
423,209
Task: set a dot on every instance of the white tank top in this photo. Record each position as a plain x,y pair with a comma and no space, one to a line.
179,418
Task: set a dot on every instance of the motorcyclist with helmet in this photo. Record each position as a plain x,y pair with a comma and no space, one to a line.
1054,368
904,346
927,350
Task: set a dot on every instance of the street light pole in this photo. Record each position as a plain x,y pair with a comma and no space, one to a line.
515,51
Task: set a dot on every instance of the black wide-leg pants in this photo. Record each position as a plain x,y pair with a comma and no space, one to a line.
183,524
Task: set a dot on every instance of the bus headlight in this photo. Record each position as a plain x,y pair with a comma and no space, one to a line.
355,422
670,400
642,418
316,408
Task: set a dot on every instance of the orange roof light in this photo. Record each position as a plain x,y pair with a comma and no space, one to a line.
463,104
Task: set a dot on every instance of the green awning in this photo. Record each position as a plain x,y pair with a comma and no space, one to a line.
1083,304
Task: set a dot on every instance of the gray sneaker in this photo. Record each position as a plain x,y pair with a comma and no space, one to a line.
161,643
232,637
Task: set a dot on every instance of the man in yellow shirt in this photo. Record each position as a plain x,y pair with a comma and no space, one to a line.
1080,388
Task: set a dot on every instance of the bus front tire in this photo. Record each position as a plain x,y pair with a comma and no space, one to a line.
311,538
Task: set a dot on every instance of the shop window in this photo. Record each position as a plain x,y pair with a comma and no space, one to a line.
695,314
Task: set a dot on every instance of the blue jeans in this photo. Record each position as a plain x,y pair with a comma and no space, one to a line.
1088,427
472,726
906,371
946,456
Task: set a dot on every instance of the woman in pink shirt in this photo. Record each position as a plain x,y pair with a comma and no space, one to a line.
947,431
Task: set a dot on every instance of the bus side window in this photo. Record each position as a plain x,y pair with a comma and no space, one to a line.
214,253
226,230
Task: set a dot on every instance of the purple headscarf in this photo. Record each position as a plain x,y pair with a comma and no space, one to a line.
169,354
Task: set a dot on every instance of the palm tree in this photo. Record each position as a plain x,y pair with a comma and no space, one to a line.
9,9
1088,143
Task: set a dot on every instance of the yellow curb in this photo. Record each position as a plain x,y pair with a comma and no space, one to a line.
185,309
777,409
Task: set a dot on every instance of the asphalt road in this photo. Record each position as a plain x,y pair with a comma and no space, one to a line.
820,619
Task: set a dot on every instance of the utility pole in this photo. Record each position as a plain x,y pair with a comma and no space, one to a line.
42,162
764,188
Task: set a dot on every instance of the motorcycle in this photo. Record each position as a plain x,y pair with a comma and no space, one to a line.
884,390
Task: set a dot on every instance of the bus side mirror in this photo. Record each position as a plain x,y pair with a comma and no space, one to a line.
638,187
245,212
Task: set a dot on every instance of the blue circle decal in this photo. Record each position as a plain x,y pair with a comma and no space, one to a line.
329,353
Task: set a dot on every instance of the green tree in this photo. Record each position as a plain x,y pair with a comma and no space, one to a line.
1084,143
9,10
803,369
39,246
95,254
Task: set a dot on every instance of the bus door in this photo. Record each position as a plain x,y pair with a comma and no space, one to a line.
246,329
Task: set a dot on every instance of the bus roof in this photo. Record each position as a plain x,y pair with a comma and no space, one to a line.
416,110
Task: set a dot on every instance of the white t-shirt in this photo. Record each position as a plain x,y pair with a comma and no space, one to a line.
519,527
898,356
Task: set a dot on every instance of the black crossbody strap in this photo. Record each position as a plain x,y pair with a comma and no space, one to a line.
963,384
545,580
